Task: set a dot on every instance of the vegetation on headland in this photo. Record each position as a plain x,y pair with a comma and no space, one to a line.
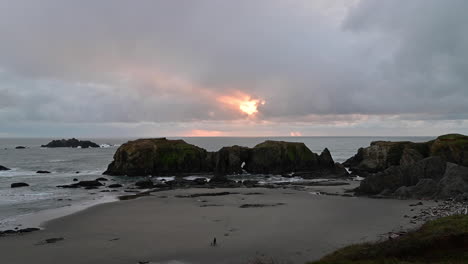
442,241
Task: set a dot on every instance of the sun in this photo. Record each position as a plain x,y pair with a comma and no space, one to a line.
242,102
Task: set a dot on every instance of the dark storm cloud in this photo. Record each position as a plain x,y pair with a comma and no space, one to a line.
169,61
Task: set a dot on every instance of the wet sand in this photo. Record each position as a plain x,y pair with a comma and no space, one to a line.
295,226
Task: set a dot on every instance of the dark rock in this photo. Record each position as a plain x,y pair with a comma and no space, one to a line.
70,143
3,168
42,172
19,184
250,183
20,147
101,179
144,184
454,183
77,172
381,155
86,184
115,185
229,160
200,181
75,179
159,157
399,176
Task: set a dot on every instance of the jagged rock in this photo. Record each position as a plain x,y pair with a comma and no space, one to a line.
410,156
454,183
159,157
70,143
2,168
398,176
452,148
19,184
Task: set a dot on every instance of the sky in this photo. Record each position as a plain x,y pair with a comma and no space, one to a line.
118,68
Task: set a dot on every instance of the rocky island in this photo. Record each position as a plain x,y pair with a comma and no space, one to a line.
161,156
70,143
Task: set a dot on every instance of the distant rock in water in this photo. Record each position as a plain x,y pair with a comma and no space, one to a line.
19,184
20,147
71,143
2,168
432,170
381,155
161,156
42,172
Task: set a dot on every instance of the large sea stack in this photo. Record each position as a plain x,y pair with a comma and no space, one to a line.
176,157
159,156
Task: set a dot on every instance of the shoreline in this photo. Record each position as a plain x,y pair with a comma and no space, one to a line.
188,224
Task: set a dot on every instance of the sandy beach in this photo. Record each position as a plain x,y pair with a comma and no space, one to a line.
174,227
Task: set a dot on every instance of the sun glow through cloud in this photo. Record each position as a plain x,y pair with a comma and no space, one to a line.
242,102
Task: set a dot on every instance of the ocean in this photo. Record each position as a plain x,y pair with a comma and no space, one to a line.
19,205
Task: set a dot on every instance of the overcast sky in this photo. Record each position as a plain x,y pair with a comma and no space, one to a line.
98,68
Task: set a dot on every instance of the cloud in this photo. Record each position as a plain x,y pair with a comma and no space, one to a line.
332,63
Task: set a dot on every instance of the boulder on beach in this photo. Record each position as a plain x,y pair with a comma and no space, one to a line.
85,184
71,143
159,156
2,168
19,184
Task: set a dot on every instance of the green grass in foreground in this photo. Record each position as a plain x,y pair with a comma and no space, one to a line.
443,241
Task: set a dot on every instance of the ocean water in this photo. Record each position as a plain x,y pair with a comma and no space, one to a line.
64,163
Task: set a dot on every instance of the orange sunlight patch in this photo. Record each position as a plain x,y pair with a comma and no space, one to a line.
204,133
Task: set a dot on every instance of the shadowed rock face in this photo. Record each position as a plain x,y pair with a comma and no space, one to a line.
381,155
159,156
163,157
430,178
278,157
70,143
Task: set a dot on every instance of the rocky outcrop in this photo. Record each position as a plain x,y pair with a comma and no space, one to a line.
159,156
71,143
381,155
3,168
430,178
176,157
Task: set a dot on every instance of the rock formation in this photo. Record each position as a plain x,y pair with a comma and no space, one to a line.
3,168
159,156
71,143
381,155
176,157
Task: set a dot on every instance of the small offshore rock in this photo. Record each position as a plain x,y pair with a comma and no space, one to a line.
42,172
19,184
2,168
